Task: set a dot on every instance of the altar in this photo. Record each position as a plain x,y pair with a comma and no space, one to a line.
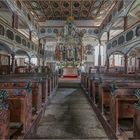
70,72
69,49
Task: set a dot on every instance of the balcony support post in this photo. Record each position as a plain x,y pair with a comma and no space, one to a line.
125,23
125,63
13,63
15,20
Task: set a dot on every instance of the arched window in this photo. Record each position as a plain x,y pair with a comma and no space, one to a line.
1,30
18,39
129,35
121,40
24,42
114,43
28,45
10,34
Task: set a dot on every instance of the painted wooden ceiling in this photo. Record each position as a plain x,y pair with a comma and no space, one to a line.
61,9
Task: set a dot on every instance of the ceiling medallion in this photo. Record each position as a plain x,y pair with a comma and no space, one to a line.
66,4
70,18
76,4
34,4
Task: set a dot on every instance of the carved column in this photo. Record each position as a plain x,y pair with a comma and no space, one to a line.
99,55
29,64
107,64
125,63
13,63
108,36
138,64
125,23
135,64
15,20
30,35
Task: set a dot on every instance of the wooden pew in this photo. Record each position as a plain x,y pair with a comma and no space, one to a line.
90,87
83,80
45,80
105,93
17,115
104,98
4,115
136,132
95,91
20,106
49,86
44,89
87,78
122,109
20,112
22,83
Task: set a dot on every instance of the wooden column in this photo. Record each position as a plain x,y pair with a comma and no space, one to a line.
138,63
125,63
107,58
13,63
39,44
15,20
43,48
99,55
108,36
135,64
125,23
30,35
107,64
29,64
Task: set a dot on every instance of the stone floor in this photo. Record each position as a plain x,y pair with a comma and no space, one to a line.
69,116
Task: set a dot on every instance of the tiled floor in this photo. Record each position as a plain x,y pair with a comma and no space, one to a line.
70,116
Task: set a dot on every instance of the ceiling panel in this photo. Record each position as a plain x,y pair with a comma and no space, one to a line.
61,9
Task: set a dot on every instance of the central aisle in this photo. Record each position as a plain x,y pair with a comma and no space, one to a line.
70,116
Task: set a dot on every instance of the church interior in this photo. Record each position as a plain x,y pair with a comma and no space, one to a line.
70,69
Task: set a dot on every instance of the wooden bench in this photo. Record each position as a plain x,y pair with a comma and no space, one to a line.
4,123
95,91
23,83
4,115
90,87
136,132
104,98
44,89
15,130
122,110
20,106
